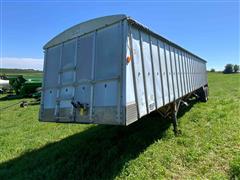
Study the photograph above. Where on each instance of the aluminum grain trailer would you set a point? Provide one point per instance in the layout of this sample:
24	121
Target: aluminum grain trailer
114	70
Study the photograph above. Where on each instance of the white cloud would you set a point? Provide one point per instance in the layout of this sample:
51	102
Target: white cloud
21	63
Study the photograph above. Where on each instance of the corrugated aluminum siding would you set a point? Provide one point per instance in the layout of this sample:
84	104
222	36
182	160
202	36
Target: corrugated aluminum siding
159	73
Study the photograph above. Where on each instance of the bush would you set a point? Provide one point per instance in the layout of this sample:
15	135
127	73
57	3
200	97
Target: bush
228	69
236	68
212	70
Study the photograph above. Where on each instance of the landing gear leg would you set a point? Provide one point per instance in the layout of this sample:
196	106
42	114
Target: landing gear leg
175	108
171	112
175	123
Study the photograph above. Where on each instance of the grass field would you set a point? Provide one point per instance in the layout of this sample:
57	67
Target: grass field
208	148
28	73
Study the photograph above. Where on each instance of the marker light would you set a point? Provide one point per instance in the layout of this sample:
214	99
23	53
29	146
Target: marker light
129	59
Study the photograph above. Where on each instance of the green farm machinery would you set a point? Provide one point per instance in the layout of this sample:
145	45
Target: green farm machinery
21	87
25	87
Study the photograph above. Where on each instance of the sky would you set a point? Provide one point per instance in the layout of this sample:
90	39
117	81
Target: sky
209	29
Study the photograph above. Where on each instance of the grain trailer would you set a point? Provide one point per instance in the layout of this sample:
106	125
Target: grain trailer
114	70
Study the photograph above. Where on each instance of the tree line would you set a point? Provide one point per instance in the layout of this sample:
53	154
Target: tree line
229	68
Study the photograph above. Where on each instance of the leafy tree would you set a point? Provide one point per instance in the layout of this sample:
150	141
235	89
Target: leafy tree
228	69
236	68
212	70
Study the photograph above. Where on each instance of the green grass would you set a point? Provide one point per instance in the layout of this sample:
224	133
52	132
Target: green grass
209	147
28	73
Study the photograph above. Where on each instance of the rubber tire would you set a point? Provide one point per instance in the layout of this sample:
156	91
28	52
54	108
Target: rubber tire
204	94
23	104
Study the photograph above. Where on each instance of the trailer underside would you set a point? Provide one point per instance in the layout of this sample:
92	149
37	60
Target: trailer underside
170	111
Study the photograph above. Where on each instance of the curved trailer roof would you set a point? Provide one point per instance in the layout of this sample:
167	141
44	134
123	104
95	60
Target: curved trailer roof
101	22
